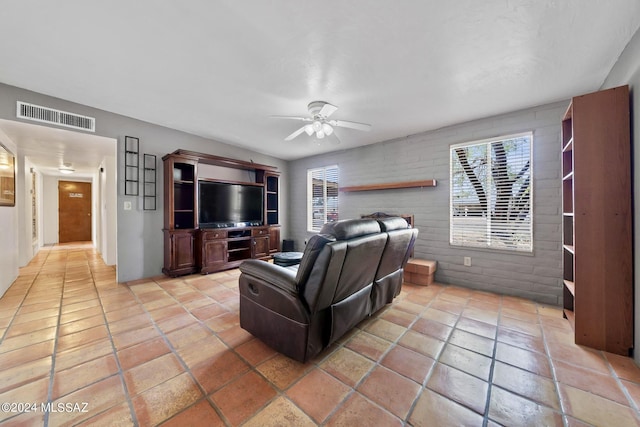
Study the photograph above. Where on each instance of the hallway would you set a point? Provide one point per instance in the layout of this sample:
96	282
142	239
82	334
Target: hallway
171	350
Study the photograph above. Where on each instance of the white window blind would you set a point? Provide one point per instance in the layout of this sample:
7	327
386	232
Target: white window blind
491	194
322	197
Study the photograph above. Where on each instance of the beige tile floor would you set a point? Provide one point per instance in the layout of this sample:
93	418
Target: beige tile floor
170	351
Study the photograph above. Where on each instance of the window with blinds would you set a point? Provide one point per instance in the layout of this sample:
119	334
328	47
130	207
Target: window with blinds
322	197
491	194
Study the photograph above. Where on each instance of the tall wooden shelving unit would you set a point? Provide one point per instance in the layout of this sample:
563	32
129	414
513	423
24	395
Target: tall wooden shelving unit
180	214
597	220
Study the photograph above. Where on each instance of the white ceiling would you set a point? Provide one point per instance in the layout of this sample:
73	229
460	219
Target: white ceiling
219	69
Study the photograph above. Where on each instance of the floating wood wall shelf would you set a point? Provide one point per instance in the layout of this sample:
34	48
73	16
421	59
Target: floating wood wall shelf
391	185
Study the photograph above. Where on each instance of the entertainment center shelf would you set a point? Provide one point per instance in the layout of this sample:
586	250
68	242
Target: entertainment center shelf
212	222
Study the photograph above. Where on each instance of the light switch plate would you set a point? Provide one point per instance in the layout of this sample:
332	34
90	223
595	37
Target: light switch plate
127	206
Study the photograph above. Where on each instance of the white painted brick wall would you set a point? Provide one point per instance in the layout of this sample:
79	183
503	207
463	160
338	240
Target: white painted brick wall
426	156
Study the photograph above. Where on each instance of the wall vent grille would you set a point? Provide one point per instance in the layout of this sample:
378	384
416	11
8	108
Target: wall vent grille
57	117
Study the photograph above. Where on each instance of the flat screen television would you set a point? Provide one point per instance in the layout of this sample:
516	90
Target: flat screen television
223	204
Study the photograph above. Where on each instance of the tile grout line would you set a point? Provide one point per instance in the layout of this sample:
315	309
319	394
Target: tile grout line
26	293
55	343
623	388
115	356
487	406
563	410
20	305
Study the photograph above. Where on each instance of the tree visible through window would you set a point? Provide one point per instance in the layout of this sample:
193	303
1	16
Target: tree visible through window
491	194
322	197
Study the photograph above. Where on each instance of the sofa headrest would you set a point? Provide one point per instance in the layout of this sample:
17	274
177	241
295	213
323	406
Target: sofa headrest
311	251
393	223
349	228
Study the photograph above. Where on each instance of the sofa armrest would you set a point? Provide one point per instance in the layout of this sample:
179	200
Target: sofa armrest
281	277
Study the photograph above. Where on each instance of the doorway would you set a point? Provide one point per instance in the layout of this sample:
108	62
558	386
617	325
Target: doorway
74	211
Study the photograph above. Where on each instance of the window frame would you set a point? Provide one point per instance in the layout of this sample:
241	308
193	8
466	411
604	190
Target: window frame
310	206
490	237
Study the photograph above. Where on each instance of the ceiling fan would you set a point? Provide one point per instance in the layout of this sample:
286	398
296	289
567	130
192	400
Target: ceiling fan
319	124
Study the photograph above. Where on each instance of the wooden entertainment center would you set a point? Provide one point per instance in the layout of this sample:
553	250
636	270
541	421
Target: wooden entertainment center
190	248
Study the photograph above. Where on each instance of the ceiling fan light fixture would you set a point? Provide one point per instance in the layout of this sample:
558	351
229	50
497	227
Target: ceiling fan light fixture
318	122
66	168
309	130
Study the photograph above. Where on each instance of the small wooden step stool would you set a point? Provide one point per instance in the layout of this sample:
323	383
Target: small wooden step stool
420	271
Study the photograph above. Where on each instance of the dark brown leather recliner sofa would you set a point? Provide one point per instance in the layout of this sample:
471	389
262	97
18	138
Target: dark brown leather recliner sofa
348	271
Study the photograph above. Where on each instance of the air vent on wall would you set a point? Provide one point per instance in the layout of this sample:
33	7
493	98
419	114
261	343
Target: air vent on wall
56	117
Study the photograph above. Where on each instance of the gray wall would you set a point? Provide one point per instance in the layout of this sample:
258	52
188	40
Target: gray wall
426	156
8	233
627	71
140	240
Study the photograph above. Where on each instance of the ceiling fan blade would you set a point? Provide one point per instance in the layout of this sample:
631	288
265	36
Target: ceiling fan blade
304	119
334	139
296	133
352	125
327	110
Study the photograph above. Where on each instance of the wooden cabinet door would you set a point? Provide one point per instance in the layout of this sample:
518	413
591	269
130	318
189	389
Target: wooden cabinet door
260	247
274	239
182	250
214	253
